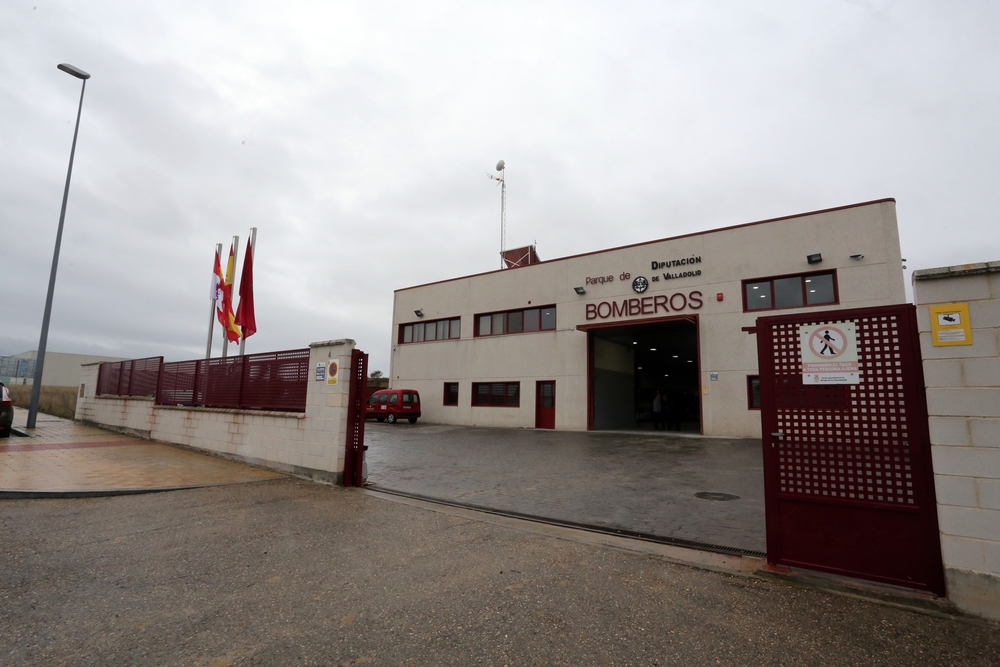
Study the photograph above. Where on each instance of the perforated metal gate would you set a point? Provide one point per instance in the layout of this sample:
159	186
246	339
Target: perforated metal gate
847	468
354	454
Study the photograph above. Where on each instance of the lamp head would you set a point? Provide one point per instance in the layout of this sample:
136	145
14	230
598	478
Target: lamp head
500	165
75	71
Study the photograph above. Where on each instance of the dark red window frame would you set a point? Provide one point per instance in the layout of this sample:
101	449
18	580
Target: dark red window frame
508	401
750	397
400	338
805	296
506	319
448	400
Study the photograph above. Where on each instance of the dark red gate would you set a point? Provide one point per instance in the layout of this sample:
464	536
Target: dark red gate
848	483
354	455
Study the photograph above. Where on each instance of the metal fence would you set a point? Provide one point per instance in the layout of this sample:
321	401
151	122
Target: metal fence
269	381
135	377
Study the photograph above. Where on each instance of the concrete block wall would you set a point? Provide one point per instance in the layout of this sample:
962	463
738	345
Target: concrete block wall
310	444
963	404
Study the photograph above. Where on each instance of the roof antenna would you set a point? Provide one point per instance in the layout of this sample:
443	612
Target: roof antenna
503	209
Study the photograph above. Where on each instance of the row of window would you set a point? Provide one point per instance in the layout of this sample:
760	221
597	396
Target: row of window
419	332
490	324
516	321
487	394
508	394
807	289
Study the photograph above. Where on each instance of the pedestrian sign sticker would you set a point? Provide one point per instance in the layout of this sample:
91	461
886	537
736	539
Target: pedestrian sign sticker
950	324
829	354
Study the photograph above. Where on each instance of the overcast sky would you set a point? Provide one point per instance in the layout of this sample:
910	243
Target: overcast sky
356	137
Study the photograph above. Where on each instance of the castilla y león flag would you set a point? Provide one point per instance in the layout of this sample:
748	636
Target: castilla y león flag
244	313
223	287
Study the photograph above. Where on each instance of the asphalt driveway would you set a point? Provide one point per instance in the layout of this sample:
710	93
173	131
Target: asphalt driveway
640	482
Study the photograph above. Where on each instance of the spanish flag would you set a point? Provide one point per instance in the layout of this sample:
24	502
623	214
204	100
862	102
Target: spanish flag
224	298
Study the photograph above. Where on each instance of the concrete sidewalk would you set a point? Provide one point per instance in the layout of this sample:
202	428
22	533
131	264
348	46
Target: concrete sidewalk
65	458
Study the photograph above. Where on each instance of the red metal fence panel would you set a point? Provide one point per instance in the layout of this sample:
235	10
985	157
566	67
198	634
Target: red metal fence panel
276	380
177	380
270	381
135	377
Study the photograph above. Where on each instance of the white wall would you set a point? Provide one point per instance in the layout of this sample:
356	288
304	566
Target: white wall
62	369
310	444
728	256
963	402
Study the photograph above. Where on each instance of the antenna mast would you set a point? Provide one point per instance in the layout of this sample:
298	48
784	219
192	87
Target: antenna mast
503	209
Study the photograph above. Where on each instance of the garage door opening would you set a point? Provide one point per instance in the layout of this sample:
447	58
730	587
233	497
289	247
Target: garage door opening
630	362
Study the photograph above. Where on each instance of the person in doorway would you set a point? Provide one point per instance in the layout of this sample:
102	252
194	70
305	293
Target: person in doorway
658	412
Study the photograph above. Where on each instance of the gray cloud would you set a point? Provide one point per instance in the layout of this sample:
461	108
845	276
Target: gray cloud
355	136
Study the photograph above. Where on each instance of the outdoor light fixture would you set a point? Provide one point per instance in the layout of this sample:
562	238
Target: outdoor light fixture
418	312
579	290
814	259
675	356
652	349
43	340
858	256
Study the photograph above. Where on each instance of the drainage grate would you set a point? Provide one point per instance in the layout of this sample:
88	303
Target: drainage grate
621	532
715	495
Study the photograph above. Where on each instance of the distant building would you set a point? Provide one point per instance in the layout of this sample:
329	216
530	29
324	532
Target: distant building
61	369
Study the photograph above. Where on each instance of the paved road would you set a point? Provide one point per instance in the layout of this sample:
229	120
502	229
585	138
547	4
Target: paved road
643	482
288	572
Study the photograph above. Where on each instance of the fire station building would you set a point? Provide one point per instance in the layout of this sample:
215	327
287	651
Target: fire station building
586	342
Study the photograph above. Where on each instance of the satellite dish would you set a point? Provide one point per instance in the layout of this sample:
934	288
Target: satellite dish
500	165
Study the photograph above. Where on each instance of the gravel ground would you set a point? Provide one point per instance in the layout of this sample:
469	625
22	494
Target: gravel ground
289	572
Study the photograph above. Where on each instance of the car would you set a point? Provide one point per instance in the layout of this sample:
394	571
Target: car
391	405
6	411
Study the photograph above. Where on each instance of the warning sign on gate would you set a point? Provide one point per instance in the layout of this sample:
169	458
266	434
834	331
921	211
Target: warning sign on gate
829	354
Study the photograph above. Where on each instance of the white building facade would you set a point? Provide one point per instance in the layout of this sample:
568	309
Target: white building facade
586	342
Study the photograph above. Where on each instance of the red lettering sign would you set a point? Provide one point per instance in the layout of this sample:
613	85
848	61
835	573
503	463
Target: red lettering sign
647	305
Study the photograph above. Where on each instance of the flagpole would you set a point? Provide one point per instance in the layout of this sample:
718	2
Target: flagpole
211	311
230	276
253	256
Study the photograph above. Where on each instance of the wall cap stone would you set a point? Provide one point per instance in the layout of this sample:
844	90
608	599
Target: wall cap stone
234	411
957	270
119	397
331	343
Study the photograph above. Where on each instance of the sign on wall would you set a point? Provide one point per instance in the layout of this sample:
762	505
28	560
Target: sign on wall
950	324
829	354
332	369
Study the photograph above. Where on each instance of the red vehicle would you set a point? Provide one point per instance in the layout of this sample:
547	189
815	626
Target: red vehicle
391	405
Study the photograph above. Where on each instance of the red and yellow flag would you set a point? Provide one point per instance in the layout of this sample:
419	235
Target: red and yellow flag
224	298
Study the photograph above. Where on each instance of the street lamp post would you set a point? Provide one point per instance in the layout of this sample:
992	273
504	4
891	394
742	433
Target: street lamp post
36	386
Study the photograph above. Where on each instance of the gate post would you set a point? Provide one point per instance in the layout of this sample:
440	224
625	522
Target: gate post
354	455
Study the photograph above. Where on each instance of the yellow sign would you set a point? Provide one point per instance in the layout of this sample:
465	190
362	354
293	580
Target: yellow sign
950	324
331	372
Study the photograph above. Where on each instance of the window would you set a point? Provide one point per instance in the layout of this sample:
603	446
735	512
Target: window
373	399
418	332
516	321
496	394
451	393
383	399
393	399
753	392
808	289
410	397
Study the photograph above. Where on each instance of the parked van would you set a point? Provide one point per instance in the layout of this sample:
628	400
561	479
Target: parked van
390	405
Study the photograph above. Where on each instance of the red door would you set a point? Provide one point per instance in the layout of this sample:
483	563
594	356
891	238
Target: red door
848	482
545	404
